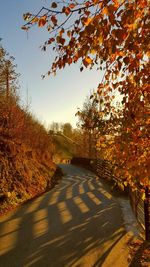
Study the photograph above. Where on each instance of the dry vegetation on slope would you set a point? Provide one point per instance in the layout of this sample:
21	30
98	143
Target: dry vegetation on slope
26	167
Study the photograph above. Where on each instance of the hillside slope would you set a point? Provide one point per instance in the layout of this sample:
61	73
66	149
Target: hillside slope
64	148
26	148
24	174
26	166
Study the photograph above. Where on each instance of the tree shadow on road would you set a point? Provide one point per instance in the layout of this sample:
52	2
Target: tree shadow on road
76	224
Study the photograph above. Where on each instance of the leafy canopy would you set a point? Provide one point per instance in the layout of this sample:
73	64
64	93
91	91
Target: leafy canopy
113	35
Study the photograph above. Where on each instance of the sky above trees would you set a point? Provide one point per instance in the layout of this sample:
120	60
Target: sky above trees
54	98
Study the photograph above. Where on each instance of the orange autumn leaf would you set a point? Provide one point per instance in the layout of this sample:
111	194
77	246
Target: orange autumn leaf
42	21
66	10
87	61
72	5
87	21
105	11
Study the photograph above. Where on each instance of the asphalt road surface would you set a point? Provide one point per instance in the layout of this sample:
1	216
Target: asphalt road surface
77	224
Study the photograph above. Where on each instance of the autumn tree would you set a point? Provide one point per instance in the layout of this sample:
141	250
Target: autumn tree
2	64
88	122
16	122
8	74
55	127
67	129
8	93
59	127
112	35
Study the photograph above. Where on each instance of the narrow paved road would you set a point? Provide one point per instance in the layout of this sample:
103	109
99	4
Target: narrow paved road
77	224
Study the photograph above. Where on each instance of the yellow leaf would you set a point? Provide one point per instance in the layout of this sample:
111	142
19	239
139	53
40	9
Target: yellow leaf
93	51
100	39
125	183
69	33
121	186
26	16
143	196
148	53
34	20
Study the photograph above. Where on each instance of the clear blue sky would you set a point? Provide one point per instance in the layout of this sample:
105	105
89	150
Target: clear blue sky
52	99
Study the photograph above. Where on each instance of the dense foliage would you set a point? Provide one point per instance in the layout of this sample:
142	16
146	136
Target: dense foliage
114	36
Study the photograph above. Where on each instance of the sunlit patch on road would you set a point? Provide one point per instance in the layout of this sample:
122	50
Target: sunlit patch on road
8	238
64	212
40	223
54	198
105	193
81	205
81	189
33	206
91	186
94	198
